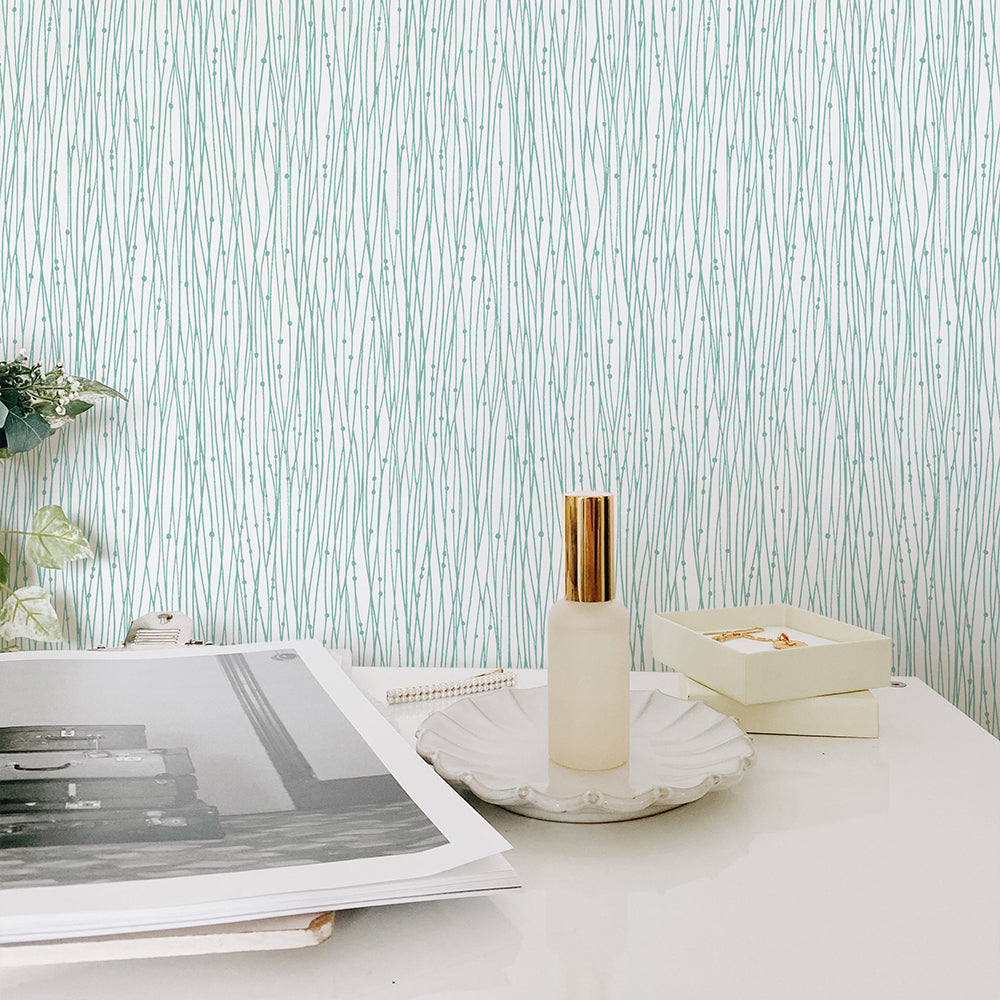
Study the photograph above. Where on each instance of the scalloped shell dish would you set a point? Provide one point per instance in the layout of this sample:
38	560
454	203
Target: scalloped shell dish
496	745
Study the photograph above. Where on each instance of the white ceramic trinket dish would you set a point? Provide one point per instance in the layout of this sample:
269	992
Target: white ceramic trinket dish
496	745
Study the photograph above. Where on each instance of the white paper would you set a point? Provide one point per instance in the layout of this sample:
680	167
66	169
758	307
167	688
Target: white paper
204	716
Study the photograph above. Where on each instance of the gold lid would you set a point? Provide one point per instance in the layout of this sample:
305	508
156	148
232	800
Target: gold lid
590	562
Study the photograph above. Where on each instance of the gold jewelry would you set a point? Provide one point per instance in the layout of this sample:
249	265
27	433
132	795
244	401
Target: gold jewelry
738	633
780	641
783	642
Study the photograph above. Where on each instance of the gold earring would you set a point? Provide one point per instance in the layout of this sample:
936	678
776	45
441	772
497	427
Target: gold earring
783	642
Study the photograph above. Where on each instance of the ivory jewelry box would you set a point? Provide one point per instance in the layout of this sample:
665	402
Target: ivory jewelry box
822	656
854	713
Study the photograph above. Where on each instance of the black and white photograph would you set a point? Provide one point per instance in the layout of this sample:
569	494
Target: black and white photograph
216	763
261	768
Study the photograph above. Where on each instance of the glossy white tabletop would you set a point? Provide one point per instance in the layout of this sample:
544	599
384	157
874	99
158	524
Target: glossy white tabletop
837	868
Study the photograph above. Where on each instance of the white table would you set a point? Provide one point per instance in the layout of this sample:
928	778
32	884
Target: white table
837	868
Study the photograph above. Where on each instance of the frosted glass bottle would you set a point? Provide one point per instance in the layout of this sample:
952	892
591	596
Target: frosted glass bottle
588	664
587	646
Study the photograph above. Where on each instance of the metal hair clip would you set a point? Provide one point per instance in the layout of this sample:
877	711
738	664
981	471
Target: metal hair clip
492	680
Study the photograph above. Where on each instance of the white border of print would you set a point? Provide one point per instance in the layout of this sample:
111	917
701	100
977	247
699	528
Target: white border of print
58	911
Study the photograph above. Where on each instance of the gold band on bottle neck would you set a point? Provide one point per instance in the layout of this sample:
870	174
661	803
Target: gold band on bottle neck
590	564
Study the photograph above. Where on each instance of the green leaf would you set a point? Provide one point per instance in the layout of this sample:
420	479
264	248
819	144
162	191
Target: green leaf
88	385
11	398
4	568
28	614
55	540
74	407
25	433
71	408
4	410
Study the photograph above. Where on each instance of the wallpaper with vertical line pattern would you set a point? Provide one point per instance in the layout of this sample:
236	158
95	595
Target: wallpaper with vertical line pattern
382	280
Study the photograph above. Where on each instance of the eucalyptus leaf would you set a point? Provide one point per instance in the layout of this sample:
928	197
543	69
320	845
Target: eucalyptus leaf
92	388
4	569
28	614
25	433
54	539
71	408
74	407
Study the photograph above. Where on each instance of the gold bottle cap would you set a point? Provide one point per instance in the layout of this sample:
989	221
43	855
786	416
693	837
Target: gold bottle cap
590	563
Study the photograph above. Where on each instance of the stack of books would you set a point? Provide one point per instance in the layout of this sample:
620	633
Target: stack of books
777	669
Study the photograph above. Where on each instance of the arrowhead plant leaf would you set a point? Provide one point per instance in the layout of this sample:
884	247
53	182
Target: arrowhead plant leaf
54	540
28	614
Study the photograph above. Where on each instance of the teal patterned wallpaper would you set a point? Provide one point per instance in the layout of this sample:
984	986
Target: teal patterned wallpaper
382	280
